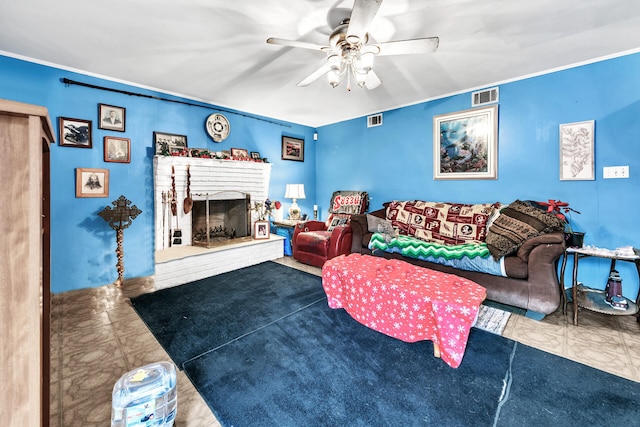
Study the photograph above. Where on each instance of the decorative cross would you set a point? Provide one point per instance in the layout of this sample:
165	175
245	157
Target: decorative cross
119	218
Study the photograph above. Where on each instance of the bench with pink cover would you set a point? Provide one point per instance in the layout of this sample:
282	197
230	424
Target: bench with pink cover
405	301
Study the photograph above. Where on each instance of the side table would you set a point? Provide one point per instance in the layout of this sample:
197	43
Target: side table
594	299
285	228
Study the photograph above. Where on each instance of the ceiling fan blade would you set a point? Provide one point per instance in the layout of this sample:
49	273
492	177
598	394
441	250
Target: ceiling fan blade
372	81
363	13
315	75
296	43
406	47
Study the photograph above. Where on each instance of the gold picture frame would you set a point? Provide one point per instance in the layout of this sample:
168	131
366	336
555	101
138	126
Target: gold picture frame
92	182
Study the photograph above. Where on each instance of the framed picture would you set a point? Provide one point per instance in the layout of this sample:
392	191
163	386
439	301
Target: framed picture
261	230
255	155
92	182
75	133
292	149
465	144
111	117
239	152
577	151
117	150
168	143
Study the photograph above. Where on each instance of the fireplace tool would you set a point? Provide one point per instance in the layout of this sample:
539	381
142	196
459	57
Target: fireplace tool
188	201
164	218
177	233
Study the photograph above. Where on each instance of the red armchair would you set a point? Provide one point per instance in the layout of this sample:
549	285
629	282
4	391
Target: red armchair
315	242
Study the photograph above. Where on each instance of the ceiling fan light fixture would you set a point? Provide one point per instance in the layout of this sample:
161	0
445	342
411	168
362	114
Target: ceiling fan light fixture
349	54
334	77
366	61
334	62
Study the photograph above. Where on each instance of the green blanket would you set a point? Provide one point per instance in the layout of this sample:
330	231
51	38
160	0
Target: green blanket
420	249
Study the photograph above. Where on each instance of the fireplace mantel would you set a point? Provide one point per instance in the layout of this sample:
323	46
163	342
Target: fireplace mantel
210	179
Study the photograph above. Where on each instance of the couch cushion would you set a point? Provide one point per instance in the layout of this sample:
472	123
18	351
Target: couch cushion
445	223
316	242
517	223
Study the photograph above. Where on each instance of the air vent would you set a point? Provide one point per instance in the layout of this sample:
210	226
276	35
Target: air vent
482	97
375	120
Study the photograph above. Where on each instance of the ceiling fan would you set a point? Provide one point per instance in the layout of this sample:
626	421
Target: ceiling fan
349	54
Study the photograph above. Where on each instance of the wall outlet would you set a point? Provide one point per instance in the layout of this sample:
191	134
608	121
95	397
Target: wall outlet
615	172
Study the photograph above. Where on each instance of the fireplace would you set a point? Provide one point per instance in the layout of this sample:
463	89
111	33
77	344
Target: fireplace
222	186
220	221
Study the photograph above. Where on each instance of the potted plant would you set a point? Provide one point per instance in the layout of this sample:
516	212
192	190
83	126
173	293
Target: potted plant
572	239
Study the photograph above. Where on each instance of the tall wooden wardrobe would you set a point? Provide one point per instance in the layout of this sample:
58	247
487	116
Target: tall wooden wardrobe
25	137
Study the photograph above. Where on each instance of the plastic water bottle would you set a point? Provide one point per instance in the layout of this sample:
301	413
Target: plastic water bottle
145	397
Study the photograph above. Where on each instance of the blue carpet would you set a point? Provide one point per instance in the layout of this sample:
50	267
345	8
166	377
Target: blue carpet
191	319
316	366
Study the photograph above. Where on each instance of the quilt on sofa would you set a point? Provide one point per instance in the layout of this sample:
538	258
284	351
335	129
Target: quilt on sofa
467	256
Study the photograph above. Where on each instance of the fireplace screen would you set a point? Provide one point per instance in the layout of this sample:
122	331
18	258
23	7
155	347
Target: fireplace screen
217	222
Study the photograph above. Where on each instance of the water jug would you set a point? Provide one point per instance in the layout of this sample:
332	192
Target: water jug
145	397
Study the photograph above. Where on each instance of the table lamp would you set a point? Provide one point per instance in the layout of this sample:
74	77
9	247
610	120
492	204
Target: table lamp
294	191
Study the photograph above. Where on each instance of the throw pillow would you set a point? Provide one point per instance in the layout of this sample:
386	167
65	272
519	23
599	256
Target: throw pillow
338	221
517	223
382	226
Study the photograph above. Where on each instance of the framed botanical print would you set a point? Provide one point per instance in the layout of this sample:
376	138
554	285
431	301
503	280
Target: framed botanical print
577	161
465	144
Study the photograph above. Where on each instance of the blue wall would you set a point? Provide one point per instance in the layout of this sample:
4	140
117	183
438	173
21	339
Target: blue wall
83	245
393	161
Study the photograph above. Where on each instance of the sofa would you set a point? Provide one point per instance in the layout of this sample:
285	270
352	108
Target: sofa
529	261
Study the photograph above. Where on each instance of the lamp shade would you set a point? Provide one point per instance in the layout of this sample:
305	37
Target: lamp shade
294	191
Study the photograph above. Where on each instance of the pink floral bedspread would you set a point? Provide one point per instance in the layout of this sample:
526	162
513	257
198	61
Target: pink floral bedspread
405	301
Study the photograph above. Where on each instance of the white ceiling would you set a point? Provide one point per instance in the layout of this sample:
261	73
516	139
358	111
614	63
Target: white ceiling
216	50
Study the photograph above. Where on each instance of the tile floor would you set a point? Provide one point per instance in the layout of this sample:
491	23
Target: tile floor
96	337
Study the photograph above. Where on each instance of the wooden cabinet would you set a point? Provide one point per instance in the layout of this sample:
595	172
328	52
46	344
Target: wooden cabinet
25	136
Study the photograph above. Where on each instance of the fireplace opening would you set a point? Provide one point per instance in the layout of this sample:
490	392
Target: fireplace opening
221	221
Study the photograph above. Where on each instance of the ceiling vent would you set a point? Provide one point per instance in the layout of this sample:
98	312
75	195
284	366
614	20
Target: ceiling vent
482	97
375	120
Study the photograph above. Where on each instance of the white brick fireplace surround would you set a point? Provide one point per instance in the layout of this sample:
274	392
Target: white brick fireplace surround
222	179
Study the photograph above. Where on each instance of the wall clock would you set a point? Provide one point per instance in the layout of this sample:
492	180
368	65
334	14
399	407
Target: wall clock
217	127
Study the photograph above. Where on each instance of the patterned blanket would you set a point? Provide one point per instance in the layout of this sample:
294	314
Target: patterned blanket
467	256
405	301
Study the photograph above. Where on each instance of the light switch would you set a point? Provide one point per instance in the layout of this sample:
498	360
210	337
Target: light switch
615	172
